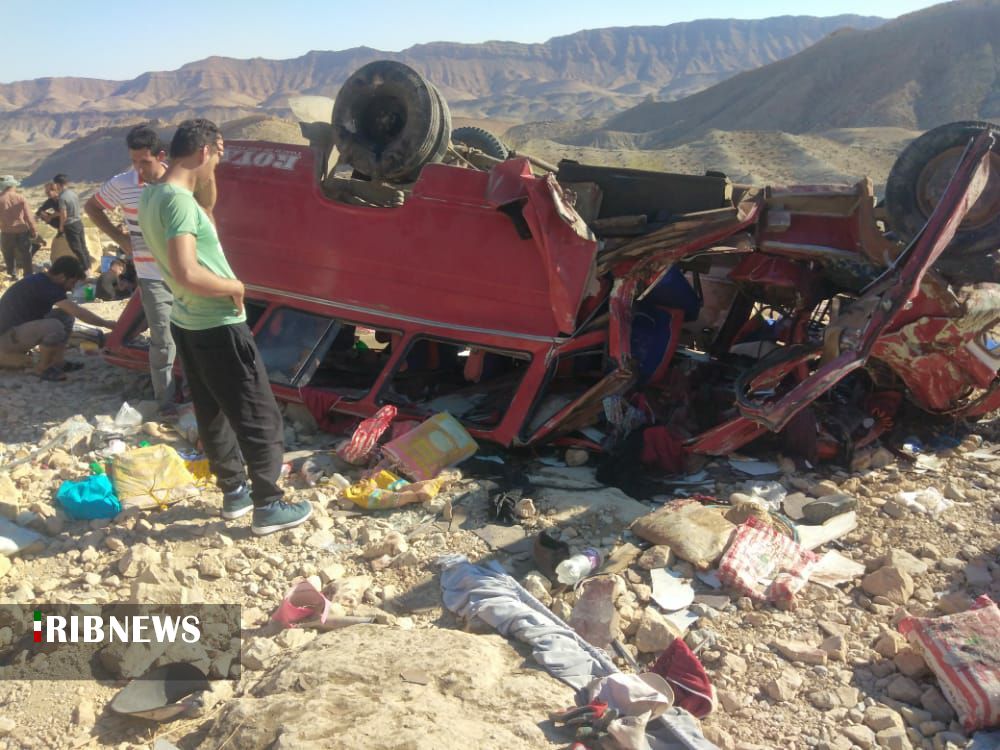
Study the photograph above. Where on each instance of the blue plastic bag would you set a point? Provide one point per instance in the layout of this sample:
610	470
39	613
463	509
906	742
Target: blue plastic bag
89	498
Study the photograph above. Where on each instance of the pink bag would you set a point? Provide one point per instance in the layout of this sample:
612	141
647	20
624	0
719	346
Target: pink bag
963	651
366	437
765	564
302	602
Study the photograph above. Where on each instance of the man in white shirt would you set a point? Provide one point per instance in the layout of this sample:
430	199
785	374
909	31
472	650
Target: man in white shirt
123	191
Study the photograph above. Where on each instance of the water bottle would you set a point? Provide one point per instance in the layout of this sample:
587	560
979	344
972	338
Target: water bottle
578	567
340	481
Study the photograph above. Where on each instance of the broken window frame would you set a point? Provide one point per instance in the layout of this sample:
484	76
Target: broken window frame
417	407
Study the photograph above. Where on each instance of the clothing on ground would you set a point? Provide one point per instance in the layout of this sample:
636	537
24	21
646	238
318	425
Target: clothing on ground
125	191
29	299
487	592
238	418
167	211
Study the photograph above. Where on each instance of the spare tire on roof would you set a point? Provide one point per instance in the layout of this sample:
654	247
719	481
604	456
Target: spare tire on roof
922	172
480	139
388	121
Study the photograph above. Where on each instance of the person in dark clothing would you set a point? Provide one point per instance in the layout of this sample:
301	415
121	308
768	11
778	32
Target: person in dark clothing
35	312
49	210
71	222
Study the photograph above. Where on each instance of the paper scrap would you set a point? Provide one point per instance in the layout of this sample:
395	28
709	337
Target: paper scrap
834	568
670	590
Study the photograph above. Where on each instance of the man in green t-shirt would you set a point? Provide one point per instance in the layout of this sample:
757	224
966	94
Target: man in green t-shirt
238	418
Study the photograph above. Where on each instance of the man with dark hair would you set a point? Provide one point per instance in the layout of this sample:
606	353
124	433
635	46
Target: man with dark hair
123	191
35	312
70	221
111	284
233	402
17	228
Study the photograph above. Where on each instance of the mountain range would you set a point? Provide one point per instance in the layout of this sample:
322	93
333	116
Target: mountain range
590	73
918	71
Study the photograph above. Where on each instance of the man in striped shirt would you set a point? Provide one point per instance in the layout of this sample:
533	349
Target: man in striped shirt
123	191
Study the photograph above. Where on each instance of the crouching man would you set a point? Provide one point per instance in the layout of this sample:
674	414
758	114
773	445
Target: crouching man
35	312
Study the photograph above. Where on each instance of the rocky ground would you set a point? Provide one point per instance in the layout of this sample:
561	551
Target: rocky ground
830	673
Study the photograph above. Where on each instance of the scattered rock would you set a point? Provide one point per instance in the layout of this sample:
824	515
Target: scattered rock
799	651
977	575
538	586
331	571
823	700
933	701
954	602
911	663
84	714
719	737
655	632
893	739
734	663
139	557
890	644
902	560
835	647
892	583
878	718
211	566
731	702
658	556
904	689
259	653
391	544
860	735
784	687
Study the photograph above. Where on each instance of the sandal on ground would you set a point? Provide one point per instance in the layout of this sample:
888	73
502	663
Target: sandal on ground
72	366
53	374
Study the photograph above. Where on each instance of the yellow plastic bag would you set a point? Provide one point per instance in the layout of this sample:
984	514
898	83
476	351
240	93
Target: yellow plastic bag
153	476
434	445
200	471
385	490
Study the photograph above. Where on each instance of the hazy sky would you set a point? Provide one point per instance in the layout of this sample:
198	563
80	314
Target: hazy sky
119	40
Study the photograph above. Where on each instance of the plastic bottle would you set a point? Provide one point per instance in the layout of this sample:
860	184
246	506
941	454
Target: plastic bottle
340	481
578	567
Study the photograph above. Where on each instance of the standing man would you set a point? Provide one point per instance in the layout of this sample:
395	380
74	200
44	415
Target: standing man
17	228
123	191
70	221
233	402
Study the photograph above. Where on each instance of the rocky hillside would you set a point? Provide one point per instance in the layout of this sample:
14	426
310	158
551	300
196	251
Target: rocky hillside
916	72
594	72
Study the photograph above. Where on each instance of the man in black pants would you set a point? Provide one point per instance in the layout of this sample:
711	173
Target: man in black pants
70	221
237	415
